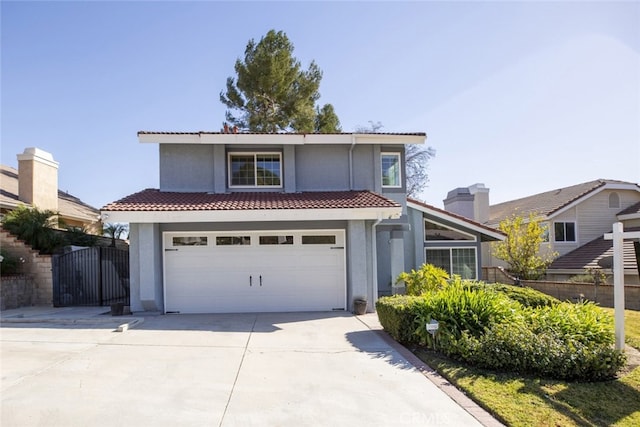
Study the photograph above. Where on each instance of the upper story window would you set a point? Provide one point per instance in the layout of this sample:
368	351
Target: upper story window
565	231
255	170
614	200
390	169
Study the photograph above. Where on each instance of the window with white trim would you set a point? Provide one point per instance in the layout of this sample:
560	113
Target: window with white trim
564	231
390	163
458	261
255	170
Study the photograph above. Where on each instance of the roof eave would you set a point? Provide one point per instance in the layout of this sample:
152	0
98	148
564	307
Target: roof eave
493	234
279	138
251	215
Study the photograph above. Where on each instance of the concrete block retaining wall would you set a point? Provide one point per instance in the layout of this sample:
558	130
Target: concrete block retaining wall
602	294
35	280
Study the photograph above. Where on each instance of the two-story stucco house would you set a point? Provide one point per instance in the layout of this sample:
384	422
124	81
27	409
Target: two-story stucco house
246	222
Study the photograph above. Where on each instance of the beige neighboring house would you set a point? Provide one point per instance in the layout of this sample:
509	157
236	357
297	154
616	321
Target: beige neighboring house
35	183
577	217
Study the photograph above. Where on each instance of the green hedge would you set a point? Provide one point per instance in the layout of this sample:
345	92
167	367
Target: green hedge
528	297
397	316
482	326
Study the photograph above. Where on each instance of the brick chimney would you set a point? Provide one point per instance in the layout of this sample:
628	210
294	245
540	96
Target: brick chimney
38	179
471	202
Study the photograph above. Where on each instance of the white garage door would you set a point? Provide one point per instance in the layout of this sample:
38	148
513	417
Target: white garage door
240	272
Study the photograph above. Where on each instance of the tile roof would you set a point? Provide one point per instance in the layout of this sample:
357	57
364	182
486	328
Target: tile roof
144	132
633	209
68	205
548	202
588	255
156	200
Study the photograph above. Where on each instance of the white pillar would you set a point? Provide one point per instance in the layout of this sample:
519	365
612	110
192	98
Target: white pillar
618	283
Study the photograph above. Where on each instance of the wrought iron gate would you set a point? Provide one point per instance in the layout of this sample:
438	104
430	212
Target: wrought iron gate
93	276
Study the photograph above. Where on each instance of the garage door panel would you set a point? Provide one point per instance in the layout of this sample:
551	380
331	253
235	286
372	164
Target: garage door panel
202	276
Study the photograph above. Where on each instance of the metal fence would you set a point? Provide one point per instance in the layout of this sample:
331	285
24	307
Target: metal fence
95	276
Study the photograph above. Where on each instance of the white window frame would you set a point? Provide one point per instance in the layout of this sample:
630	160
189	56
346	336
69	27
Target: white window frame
399	157
450	249
255	171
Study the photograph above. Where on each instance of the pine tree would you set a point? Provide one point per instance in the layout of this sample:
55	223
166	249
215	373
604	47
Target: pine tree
272	93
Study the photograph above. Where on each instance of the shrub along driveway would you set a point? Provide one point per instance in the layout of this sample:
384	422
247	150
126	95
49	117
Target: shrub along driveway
220	370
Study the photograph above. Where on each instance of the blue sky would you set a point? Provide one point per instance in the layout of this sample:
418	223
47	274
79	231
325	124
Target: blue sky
524	97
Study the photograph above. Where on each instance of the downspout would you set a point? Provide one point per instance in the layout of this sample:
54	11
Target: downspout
353	144
374	237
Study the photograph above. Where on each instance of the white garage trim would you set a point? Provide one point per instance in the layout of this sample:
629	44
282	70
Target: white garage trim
254	271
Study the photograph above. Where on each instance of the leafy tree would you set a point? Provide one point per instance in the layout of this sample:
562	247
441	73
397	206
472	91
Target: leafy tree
115	231
416	159
35	227
522	247
326	120
272	93
79	236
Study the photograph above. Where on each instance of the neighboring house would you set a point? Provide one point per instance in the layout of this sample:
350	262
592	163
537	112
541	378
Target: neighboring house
577	217
35	183
249	222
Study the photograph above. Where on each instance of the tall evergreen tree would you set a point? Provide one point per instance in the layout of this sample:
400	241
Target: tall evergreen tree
326	120
271	92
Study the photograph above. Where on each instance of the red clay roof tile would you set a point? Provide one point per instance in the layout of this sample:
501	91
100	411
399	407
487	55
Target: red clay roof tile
156	200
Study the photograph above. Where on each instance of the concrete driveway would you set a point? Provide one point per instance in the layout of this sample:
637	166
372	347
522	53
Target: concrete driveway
291	369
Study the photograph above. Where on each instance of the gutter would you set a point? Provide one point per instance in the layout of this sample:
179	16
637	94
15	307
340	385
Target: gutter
353	144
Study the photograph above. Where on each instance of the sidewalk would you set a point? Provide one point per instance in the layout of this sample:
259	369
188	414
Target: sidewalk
69	315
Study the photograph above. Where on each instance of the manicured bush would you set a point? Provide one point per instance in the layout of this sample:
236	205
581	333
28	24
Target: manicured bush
397	316
458	309
528	297
583	322
428	278
514	346
508	328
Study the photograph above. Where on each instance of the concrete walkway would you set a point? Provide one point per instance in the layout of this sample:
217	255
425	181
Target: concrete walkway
68	367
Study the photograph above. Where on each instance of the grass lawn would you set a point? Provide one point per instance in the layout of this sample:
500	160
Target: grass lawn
631	326
528	401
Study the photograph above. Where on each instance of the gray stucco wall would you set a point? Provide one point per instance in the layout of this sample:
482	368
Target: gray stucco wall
186	167
196	167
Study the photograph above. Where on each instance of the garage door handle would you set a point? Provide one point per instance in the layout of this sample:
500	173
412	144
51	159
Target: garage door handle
250	281
337	247
260	280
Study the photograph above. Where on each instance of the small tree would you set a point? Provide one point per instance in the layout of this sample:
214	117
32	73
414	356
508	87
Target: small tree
35	227
522	247
114	231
